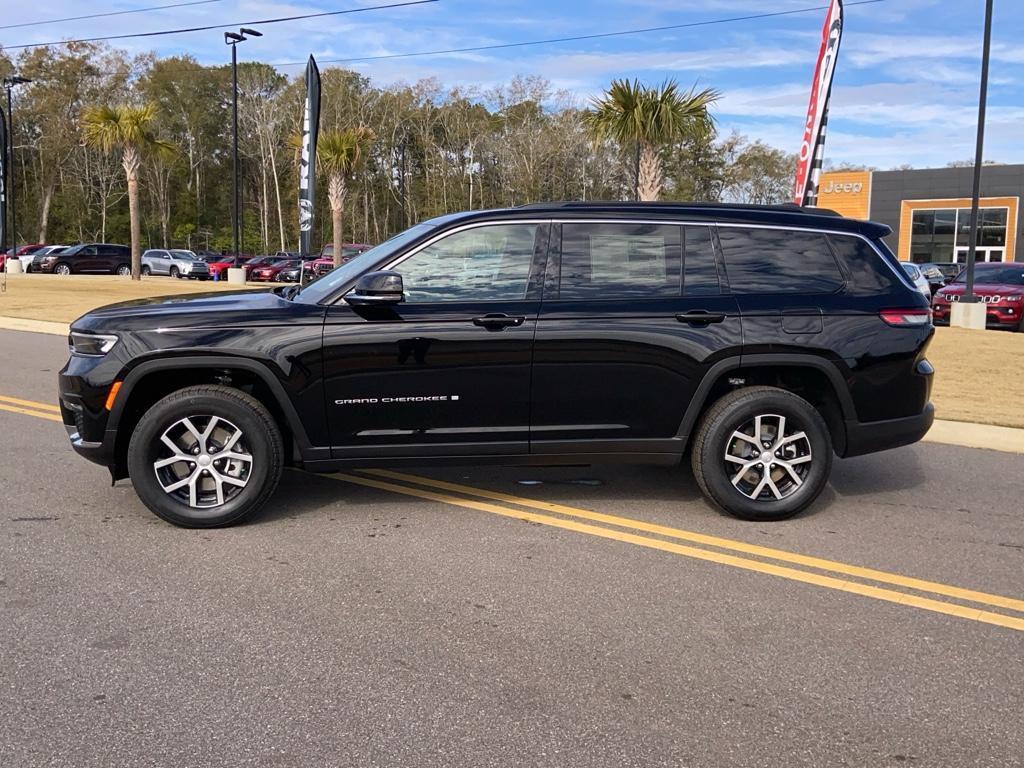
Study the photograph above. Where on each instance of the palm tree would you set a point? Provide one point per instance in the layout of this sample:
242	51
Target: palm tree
648	118
341	153
130	129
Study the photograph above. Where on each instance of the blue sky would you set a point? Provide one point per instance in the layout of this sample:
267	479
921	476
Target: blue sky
906	86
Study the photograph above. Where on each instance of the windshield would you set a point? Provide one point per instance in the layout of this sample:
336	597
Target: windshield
187	255
320	289
996	276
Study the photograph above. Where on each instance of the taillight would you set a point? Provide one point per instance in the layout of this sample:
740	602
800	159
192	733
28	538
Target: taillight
906	318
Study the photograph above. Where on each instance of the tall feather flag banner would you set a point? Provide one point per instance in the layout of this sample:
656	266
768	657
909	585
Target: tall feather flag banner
307	160
3	181
812	147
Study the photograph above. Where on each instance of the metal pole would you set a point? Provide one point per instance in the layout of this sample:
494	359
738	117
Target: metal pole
11	175
236	223
969	296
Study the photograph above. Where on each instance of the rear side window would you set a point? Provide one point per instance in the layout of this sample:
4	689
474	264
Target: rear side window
869	273
700	272
620	261
778	261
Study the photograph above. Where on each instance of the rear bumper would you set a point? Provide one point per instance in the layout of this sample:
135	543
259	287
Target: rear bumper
874	436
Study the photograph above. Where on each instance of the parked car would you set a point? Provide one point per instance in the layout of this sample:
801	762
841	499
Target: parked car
219	265
919	280
269	272
24	254
949	270
89	258
999	286
348	252
551	334
257	261
46	250
935	277
291	274
174	263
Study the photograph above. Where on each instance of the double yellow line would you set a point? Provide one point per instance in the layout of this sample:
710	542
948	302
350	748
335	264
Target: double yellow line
30	408
830	574
751	557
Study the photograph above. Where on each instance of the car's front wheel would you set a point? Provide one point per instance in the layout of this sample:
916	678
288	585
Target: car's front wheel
175	272
205	456
762	453
62	269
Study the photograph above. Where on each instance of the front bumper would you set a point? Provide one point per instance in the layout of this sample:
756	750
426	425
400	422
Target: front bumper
863	437
998	316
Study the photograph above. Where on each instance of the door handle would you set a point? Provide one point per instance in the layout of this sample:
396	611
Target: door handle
700	317
496	322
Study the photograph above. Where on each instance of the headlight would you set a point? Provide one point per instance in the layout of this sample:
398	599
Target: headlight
91	344
1018	297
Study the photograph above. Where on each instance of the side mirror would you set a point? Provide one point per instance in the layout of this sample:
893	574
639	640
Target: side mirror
377	288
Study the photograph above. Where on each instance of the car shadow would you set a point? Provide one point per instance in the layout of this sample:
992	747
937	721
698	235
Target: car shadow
895	470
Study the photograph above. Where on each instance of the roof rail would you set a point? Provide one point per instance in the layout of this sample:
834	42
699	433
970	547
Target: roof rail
669	205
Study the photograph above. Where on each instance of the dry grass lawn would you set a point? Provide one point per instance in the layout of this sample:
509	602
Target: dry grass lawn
63	299
979	375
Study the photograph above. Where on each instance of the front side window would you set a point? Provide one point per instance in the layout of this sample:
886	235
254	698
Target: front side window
489	263
620	261
778	261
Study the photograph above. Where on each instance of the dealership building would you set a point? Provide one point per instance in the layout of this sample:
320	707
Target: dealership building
929	210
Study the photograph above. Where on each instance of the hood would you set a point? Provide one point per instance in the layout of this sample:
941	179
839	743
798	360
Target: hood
230	307
984	289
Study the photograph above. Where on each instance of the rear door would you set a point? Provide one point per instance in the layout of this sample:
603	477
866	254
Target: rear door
633	317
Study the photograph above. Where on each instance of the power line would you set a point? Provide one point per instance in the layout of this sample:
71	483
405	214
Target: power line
550	41
553	40
108	13
220	26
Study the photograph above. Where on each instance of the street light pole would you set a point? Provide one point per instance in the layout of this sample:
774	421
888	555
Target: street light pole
9	84
233	39
969	296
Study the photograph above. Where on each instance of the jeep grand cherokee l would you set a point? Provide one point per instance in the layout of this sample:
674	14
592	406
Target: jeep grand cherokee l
760	340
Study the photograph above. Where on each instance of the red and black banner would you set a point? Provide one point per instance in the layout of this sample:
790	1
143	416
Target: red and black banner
3	182
812	147
307	160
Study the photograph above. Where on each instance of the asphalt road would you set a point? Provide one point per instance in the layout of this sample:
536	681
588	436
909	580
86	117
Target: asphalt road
452	625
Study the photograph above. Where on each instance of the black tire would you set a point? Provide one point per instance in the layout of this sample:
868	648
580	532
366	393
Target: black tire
175	272
715	438
146	271
260	439
63	268
123	270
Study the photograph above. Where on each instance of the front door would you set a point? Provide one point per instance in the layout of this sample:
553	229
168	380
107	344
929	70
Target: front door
446	372
625	335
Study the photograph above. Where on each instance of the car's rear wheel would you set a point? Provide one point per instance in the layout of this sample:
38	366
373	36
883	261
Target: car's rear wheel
762	453
205	456
146	270
62	269
123	270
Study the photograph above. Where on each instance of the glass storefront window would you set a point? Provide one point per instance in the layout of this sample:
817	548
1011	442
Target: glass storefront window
938	234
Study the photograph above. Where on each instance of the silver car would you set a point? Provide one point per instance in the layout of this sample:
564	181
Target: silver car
175	263
917	278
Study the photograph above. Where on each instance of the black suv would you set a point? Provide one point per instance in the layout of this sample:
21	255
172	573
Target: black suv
91	258
760	339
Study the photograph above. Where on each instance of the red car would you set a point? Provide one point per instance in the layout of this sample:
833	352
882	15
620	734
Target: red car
999	286
258	261
25	250
325	263
267	272
219	265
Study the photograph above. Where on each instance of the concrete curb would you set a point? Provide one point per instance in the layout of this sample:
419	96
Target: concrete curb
962	433
33	326
967	435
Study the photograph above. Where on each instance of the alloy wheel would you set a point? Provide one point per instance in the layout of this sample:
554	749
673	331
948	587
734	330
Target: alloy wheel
203	461
767	458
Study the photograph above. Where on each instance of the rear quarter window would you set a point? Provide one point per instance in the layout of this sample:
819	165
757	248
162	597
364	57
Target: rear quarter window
868	271
778	261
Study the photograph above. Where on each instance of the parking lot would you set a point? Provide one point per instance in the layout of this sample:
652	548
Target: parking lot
577	616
